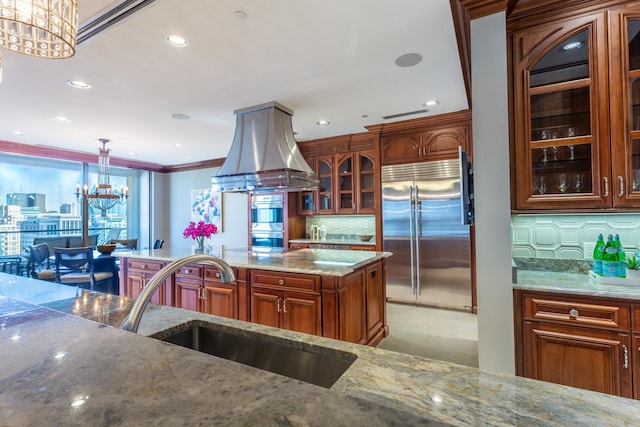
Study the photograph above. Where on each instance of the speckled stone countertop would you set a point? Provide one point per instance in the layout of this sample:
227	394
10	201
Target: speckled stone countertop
65	370
333	262
573	283
335	241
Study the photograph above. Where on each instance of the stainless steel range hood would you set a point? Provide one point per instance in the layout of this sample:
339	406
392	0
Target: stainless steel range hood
264	155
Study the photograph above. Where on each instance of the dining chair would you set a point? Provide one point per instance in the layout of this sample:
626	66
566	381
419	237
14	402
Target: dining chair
39	264
75	266
11	265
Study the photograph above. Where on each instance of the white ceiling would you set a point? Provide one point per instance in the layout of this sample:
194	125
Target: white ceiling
331	60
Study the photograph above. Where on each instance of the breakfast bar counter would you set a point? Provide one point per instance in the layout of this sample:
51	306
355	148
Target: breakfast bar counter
62	369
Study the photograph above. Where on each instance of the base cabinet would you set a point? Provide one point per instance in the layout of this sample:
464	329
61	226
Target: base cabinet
199	288
576	341
349	308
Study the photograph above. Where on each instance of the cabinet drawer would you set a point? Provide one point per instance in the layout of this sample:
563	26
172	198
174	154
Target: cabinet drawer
565	310
286	280
191	271
212	274
137	264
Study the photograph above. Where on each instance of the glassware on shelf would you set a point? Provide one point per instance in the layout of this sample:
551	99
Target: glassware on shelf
535	184
571	131
562	182
572	155
636	180
543	185
545	134
578	182
554	150
544	155
555	134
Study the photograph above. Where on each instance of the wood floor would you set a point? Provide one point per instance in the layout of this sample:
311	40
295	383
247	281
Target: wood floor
435	333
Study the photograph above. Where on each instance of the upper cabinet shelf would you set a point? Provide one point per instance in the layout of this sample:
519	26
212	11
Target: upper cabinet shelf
576	99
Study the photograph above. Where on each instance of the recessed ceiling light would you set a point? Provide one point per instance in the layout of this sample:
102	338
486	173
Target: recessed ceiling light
177	145
176	40
572	46
431	103
132	153
322	122
78	84
408	60
61	119
180	116
18	133
240	15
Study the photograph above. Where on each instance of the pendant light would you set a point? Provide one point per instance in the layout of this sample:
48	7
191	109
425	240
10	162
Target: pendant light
41	28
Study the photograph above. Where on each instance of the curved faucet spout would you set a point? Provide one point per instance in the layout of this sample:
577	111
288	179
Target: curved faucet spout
132	321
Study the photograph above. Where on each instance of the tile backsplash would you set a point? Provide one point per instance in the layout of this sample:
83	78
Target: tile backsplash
561	236
344	225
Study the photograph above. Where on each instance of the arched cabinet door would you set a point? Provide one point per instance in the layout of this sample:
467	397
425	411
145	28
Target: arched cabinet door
561	122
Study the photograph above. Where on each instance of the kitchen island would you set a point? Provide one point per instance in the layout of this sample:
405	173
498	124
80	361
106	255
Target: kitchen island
337	294
64	370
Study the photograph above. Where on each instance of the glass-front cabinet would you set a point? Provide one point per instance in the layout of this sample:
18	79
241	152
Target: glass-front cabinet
319	201
576	117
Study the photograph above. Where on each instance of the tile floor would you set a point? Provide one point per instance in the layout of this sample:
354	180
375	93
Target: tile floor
435	333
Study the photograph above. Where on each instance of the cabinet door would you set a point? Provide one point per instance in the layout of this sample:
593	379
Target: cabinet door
401	148
220	299
325	188
353	308
345	180
188	294
375	300
366	185
579	357
561	120
137	280
302	313
266	306
308	200
625	106
442	144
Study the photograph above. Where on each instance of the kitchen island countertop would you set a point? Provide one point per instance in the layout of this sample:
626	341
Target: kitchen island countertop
79	372
332	262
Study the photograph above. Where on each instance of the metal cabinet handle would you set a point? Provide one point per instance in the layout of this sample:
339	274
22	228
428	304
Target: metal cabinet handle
187	271
573	313
204	294
143	266
278	305
621	182
284	306
218	274
606	186
281	282
625	352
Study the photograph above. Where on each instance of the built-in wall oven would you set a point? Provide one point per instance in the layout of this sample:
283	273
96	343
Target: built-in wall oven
267	220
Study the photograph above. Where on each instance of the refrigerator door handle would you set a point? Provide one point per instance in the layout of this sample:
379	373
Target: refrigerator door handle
411	238
416	237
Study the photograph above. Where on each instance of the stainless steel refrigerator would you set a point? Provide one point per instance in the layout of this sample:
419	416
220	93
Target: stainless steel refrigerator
425	211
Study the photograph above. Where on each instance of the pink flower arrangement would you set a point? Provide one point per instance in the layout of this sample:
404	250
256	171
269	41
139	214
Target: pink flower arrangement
199	231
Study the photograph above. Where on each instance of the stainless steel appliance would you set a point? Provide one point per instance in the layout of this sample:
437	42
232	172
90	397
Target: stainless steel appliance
425	212
267	220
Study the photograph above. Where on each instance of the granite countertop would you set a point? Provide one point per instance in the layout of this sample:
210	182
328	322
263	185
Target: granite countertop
574	283
332	262
336	241
79	372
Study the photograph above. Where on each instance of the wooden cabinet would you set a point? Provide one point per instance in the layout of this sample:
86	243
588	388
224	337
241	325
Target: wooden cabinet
137	274
286	300
423	145
582	342
349	183
575	139
198	288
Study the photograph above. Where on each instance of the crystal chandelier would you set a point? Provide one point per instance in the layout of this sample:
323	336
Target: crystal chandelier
104	197
42	28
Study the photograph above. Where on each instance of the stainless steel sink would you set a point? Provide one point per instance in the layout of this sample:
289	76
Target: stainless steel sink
263	352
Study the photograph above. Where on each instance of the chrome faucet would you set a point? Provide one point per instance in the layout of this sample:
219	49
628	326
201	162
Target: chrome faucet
132	321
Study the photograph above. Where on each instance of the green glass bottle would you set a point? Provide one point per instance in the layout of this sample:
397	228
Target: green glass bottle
598	251
610	261
622	258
